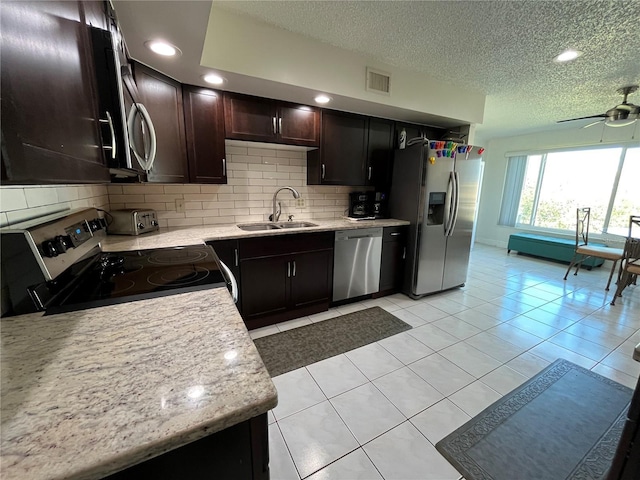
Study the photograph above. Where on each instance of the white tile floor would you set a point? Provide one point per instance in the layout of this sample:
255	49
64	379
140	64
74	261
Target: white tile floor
377	412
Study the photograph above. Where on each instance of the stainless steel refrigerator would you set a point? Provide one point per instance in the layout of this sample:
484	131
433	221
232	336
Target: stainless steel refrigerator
435	187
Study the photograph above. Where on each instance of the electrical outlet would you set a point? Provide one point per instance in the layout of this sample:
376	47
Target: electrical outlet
180	205
300	202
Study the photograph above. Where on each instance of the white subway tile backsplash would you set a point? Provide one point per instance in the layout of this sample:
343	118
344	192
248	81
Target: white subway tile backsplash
237	181
263	182
142	189
17	216
166	198
12	199
171	214
199	197
244	159
182	189
254	174
230	150
247	189
129	198
67	193
148	206
218	220
233	196
291	154
40	196
261	152
216	189
275	161
211	205
184	222
208	212
225	212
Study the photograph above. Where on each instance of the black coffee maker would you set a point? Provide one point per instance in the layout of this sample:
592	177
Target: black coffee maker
380	205
361	204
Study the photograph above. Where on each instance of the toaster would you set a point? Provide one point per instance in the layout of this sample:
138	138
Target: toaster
131	221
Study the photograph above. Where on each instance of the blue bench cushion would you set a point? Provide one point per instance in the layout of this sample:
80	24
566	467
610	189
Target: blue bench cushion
552	248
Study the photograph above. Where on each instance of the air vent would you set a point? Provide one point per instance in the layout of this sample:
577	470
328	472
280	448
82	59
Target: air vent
378	82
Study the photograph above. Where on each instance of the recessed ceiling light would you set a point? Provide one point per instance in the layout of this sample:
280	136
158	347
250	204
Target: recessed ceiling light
213	79
567	56
322	99
162	48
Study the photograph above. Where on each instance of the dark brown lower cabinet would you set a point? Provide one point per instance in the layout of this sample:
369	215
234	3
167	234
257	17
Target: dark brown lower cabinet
240	452
285	277
394	241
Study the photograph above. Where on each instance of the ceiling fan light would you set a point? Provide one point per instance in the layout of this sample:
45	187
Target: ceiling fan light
620	123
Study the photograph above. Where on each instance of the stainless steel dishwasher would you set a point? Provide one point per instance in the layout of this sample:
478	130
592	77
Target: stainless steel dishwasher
356	262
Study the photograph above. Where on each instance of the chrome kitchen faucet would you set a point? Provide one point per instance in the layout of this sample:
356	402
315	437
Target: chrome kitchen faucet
276	213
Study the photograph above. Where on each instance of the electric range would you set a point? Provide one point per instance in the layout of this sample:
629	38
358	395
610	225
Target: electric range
56	265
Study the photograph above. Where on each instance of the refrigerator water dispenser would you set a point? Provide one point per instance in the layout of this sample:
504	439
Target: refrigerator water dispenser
435	213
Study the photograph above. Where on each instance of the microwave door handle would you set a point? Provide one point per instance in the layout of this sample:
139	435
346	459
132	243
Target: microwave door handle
232	280
109	121
145	160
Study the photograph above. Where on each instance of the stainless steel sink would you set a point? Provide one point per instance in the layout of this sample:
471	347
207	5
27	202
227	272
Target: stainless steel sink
256	227
296	225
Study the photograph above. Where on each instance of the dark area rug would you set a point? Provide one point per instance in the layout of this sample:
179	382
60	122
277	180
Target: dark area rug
305	345
564	423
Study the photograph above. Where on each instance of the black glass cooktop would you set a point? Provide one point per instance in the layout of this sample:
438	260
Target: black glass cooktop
119	277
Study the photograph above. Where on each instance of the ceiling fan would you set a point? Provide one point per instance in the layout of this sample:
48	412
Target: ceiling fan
618	116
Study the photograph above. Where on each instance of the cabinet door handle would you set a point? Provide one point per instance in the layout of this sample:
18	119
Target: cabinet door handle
237	256
280	125
109	121
294	268
224	167
404	253
369	173
288	269
323	171
274	126
395	234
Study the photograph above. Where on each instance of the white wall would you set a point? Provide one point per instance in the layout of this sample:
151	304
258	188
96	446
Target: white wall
487	230
273	54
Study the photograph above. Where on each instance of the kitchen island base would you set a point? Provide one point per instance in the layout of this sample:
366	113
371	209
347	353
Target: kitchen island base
239	452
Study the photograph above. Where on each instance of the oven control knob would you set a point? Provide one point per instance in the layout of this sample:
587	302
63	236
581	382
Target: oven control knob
95	225
49	249
141	226
62	243
154	223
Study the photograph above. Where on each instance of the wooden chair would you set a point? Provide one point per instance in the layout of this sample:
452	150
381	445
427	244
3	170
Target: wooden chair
583	250
630	266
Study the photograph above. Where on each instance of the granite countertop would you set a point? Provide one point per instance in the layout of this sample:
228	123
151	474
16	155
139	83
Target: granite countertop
172	237
88	393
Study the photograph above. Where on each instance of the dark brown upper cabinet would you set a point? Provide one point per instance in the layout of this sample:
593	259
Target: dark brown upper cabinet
162	96
379	153
340	160
50	123
264	120
204	124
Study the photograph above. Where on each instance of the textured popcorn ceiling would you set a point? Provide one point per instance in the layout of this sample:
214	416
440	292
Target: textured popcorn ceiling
502	48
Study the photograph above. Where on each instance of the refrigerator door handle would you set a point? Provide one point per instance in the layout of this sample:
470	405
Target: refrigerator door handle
450	202
456	185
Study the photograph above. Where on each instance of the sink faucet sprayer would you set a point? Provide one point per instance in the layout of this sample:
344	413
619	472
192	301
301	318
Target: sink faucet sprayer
276	213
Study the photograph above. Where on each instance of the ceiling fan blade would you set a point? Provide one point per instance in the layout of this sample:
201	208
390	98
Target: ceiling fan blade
602	115
592	124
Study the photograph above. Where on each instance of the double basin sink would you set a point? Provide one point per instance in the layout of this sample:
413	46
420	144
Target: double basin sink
256	227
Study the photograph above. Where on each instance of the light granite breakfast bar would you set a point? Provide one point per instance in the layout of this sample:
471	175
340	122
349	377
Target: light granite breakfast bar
89	393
